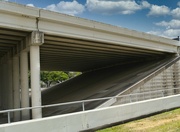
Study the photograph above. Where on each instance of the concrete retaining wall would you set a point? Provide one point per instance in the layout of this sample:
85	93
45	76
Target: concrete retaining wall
163	80
94	118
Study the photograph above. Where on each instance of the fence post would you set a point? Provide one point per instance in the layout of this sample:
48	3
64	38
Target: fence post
83	106
9	118
162	93
143	96
130	98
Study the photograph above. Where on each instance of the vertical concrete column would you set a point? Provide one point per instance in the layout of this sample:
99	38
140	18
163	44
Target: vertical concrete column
16	87
37	38
1	86
24	85
4	85
10	83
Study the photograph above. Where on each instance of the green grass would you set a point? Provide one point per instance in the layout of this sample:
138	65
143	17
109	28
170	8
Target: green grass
165	122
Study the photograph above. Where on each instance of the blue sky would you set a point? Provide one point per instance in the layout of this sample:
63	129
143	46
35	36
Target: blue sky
159	17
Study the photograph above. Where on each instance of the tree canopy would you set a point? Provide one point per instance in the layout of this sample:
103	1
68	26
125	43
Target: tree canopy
56	76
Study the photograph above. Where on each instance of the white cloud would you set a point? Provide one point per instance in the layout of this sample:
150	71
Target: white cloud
169	33
163	10
156	10
172	33
31	5
178	3
171	30
176	13
115	7
71	8
145	4
173	24
157	33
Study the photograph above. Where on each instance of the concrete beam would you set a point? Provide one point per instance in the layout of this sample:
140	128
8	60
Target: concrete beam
16	15
69	26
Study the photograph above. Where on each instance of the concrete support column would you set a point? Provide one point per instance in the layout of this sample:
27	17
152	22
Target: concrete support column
25	102
10	84
4	85
1	78
35	81
16	87
37	38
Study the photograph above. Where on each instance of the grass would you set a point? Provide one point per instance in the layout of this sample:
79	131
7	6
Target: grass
164	122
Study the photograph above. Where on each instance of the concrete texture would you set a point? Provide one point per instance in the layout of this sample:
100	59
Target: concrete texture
105	82
94	118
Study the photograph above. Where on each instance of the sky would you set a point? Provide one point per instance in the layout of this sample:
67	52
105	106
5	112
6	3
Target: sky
158	17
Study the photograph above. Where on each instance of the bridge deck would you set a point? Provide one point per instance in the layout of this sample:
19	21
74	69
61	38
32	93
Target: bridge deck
73	43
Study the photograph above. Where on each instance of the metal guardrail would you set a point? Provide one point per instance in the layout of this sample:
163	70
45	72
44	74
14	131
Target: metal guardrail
129	98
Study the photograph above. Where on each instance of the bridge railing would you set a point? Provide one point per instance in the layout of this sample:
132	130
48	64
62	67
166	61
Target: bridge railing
124	99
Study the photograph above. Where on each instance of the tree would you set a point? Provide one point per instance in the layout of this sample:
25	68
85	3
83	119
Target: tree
53	76
45	77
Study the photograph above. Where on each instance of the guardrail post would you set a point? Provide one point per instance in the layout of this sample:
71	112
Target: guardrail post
9	117
83	107
136	98
130	100
162	93
143	96
115	98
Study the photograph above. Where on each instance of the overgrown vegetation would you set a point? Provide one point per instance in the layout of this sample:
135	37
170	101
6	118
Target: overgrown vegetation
165	122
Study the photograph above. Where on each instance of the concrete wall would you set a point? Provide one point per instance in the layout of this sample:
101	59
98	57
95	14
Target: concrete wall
166	80
94	118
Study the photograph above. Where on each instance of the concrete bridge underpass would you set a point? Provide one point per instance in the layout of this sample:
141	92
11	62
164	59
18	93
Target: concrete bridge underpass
33	39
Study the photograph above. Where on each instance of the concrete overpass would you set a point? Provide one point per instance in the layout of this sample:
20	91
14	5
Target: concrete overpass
36	39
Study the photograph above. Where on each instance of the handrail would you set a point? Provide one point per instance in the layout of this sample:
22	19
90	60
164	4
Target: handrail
84	101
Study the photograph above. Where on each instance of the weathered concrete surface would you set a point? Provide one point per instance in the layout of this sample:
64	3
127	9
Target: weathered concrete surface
94	118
